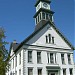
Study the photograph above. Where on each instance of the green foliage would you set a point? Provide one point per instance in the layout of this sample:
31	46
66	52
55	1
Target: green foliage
3	52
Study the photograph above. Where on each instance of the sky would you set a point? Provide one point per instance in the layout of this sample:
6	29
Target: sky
16	17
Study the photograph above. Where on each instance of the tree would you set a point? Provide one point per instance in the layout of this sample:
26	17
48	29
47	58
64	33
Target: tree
3	52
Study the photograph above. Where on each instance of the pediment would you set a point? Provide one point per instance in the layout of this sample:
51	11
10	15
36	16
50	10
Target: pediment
40	38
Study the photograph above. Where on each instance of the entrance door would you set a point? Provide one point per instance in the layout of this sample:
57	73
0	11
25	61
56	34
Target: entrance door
52	74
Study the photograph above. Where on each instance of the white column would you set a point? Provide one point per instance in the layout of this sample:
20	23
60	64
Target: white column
54	58
65	57
44	71
59	59
61	71
72	61
67	71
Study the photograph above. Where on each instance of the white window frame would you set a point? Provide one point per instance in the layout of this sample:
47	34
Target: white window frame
19	58
48	58
29	68
39	57
30	60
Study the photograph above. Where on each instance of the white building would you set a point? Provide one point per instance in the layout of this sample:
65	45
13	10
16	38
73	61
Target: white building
46	51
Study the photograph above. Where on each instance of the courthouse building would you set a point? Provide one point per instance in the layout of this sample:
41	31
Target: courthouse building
46	51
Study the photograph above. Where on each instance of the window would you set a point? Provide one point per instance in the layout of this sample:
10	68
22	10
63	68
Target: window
71	72
55	58
29	56
20	58
50	17
43	15
51	58
48	57
49	38
46	16
39	71
38	57
15	72
19	71
40	16
10	73
30	71
64	71
13	62
62	58
16	60
46	39
53	40
69	59
36	20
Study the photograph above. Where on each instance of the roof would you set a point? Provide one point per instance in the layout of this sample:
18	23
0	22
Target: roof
48	1
14	45
37	31
44	10
40	24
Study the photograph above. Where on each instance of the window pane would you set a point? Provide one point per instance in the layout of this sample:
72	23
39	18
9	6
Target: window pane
15	72
51	58
10	73
40	16
62	58
71	73
30	71
49	38
16	60
20	72
38	57
39	71
55	58
36	20
69	59
46	39
50	17
53	40
48	57
43	15
46	16
64	71
29	56
20	58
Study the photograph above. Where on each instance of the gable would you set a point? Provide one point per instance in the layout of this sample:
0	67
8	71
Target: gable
34	37
13	46
40	38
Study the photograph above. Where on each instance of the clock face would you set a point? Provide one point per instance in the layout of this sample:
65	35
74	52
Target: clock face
45	5
38	6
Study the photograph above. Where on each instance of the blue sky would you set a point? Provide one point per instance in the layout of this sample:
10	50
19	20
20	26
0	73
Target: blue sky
16	16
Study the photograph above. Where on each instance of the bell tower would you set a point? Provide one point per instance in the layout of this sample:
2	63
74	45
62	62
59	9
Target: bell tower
43	12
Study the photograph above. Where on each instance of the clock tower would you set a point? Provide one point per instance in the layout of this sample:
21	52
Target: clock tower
43	12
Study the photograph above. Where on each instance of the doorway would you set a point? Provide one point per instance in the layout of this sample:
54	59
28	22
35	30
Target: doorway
51	73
